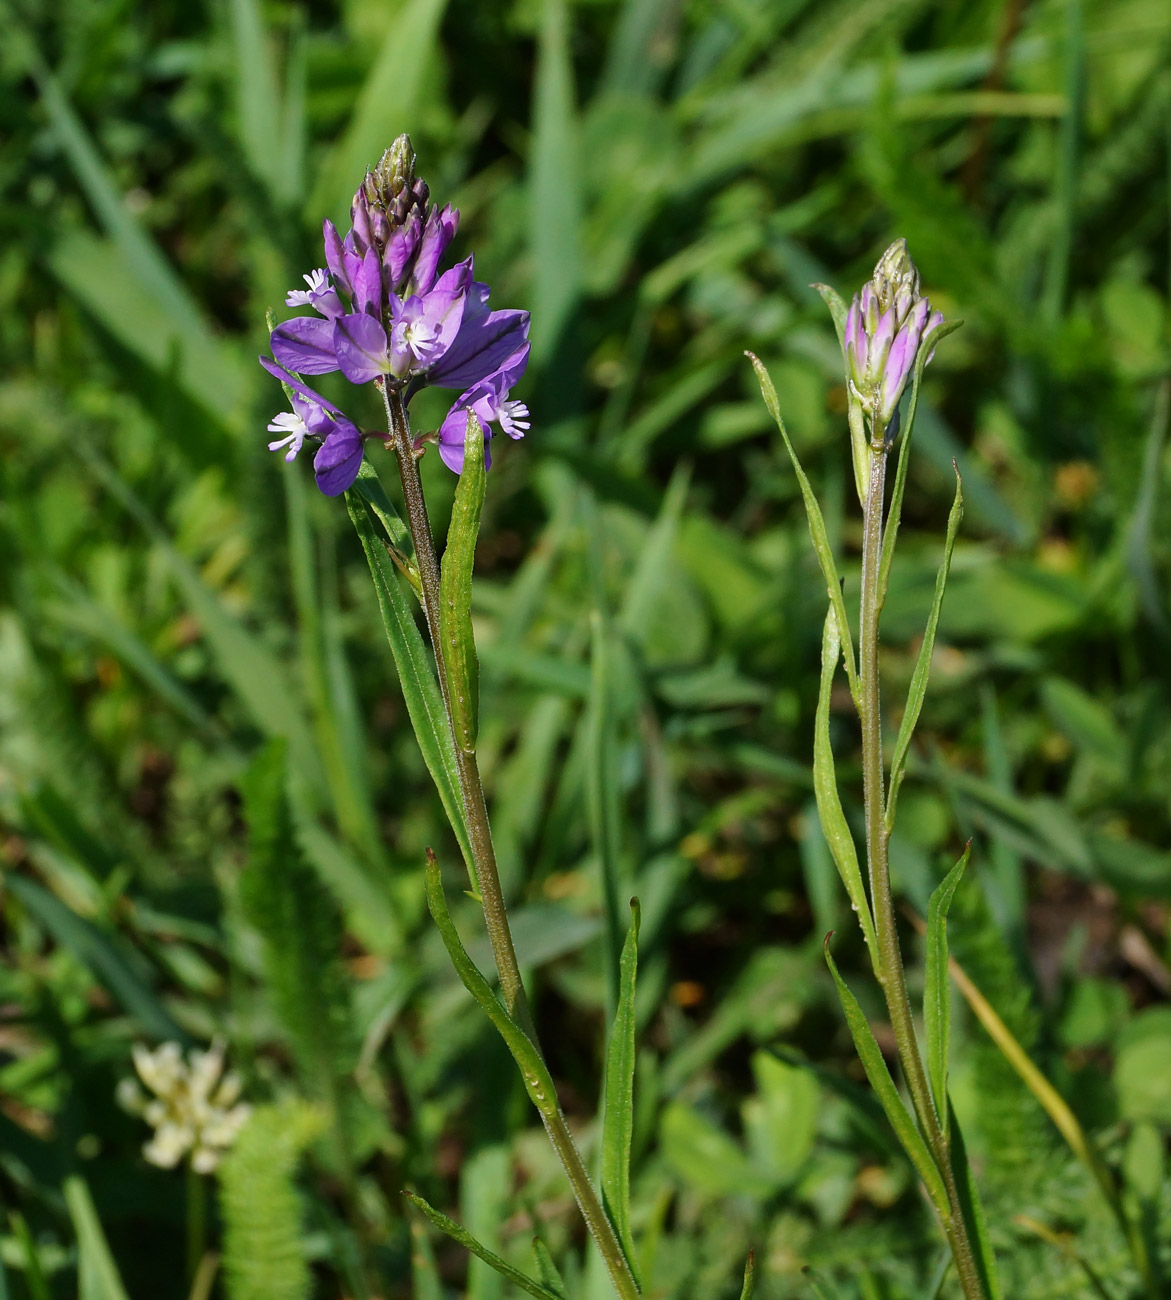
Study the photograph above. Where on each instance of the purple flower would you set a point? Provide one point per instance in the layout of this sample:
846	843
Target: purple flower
340	454
886	325
384	314
490	401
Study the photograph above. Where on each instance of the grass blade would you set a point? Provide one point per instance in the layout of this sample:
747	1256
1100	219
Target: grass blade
97	1273
556	201
835	828
746	1291
415	671
922	670
618	1110
870	1054
548	1273
604	812
465	1239
937	989
457	639
100	953
258	107
825	556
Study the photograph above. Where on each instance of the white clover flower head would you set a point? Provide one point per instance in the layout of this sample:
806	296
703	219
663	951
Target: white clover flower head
194	1110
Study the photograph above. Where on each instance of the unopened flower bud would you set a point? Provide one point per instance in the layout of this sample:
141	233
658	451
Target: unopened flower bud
885	327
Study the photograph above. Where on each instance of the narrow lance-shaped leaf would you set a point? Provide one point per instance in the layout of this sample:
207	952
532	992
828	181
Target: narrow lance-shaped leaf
99	1279
825	555
465	1239
918	687
825	787
415	672
930	341
400	545
870	1054
537	1080
937	989
618	1111
456	637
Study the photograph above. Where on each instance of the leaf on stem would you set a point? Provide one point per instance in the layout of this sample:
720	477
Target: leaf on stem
918	687
618	1109
829	803
456	636
937	989
465	1239
825	556
932	339
415	672
884	1087
537	1080
402	546
837	309
99	1276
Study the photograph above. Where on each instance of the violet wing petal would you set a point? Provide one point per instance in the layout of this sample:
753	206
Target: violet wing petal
279	372
338	460
483	344
360	343
305	344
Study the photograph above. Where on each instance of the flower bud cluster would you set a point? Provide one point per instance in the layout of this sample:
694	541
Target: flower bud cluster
887	324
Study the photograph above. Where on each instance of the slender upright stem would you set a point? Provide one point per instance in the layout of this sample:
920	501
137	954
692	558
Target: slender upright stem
888	959
484	858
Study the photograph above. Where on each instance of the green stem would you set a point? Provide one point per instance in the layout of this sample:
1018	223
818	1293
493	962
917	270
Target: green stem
484	865
888	960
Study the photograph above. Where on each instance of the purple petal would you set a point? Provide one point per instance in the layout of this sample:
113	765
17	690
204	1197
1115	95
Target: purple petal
441	226
485	342
360	345
305	344
898	366
337	462
399	249
368	284
296	385
335	258
453	435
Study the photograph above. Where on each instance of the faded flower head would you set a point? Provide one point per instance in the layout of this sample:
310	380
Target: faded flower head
888	321
386	315
193	1108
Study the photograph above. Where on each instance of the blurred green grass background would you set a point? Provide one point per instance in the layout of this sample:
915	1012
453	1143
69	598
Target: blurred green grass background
660	182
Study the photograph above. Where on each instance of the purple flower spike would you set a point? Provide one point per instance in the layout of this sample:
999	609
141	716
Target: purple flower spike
386	315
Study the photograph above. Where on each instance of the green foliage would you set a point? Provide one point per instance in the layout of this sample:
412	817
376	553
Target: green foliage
264	1236
300	931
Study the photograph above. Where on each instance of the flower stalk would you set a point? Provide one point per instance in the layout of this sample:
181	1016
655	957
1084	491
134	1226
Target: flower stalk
484	867
888	960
